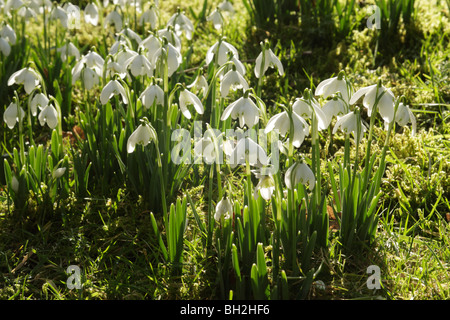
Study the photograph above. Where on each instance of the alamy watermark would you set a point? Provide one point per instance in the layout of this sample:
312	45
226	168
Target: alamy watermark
74	280
375	19
374	280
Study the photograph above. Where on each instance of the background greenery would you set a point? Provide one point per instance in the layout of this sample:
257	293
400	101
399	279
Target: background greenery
115	237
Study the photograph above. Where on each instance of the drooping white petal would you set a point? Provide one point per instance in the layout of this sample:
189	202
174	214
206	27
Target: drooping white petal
139	66
69	50
152	94
248	150
114	18
40	101
221	50
188	98
112	88
9	34
181	23
143	135
404	115
216	18
49	115
223	208
270	60
349	124
91	13
299	172
5	47
11	115
233	80
266	187
244	109
332	86
26	76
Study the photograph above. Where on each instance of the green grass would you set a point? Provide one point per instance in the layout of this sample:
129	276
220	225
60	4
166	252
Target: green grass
111	236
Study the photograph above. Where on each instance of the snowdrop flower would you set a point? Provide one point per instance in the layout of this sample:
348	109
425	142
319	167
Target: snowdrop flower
69	49
224	208
282	123
181	23
205	147
373	93
232	80
91	60
91	13
5	47
235	63
248	150
226	6
152	44
349	123
174	58
124	55
299	172
270	60
265	186
39	6
244	109
8	33
171	37
59	172
130	34
26	76
152	94
73	15
305	109
112	88
26	12
332	86
11	115
89	68
335	107
220	49
216	18
40	101
143	135
58	13
89	77
404	115
139	66
200	84
149	16
12	5
114	18
188	98
49	115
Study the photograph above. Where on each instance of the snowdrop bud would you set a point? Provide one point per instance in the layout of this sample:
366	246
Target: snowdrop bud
58	173
15	184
